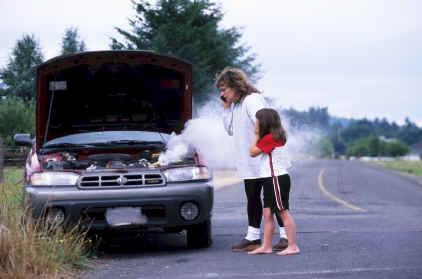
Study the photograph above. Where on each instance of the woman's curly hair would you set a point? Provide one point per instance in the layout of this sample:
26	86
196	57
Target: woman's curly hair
237	80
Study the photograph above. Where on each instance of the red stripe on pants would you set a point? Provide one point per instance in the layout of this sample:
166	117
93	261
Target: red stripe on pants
276	186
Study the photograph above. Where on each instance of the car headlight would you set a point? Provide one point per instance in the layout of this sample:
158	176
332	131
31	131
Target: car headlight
54	178
187	174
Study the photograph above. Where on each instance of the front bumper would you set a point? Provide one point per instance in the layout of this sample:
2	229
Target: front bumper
88	207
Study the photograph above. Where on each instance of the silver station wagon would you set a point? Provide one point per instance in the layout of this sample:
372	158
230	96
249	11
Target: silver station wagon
102	120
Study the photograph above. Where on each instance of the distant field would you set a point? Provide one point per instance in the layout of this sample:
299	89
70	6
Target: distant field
410	167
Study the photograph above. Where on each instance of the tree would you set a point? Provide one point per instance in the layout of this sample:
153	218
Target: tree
336	138
19	74
3	91
319	116
359	148
71	42
359	129
189	30
16	117
374	146
315	117
397	148
410	133
326	148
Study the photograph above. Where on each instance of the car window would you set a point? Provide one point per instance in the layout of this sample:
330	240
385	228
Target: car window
108	136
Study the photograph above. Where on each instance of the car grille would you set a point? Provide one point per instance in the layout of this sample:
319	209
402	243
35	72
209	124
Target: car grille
113	180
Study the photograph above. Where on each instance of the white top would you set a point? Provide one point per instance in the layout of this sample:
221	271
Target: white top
281	162
239	121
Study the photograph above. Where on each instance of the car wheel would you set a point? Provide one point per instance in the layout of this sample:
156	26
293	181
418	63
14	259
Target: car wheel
199	236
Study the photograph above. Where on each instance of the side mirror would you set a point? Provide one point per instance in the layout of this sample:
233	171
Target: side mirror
23	140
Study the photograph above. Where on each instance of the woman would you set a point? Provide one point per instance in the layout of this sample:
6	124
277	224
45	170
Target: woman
241	101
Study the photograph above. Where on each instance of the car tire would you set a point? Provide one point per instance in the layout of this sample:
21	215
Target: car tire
199	236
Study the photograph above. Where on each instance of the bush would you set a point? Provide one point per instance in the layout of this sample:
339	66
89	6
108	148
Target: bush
16	116
373	146
326	148
397	148
359	148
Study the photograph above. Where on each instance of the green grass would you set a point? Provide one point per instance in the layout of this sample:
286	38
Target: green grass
35	250
11	189
408	167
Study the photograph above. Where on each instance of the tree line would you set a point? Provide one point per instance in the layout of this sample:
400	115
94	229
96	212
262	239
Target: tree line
355	137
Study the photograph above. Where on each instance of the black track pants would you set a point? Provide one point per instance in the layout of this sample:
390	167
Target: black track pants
253	189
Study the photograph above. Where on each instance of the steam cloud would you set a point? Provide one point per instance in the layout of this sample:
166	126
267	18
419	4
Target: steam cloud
205	133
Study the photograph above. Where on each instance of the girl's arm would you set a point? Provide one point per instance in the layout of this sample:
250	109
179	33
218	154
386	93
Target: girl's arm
254	150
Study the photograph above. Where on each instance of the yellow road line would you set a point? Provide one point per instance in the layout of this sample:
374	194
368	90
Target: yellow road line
331	196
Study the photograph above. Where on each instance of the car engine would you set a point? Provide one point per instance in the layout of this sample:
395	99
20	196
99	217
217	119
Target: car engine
105	161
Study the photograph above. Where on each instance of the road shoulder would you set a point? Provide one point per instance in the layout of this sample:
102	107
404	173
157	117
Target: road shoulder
410	177
224	178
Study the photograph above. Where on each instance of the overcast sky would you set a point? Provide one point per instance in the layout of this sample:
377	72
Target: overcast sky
359	58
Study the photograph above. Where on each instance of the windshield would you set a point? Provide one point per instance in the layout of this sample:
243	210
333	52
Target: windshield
93	138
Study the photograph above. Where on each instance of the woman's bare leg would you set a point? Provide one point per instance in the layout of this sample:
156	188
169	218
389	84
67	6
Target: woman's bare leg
266	247
290	226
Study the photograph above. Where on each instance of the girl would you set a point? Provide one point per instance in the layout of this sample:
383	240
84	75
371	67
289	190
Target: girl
270	136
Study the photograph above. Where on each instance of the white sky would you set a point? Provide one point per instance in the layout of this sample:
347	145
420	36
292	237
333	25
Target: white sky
359	58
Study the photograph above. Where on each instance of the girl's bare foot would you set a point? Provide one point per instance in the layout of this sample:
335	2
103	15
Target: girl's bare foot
289	251
261	250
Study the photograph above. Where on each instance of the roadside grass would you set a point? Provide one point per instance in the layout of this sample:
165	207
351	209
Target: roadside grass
11	189
35	250
408	167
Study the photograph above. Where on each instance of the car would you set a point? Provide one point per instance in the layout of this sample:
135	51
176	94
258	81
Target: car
103	119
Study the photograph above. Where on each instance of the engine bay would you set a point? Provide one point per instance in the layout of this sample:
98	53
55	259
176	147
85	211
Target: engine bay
101	160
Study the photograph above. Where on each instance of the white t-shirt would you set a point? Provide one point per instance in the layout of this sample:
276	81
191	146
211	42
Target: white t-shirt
280	160
239	121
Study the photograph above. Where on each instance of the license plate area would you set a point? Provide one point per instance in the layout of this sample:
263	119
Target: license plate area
125	216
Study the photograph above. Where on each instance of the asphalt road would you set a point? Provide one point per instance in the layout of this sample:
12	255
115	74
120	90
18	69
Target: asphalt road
353	221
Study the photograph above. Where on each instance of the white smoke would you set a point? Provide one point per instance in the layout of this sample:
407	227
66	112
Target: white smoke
177	149
300	141
206	135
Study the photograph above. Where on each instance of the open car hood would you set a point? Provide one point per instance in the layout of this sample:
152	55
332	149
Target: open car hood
112	90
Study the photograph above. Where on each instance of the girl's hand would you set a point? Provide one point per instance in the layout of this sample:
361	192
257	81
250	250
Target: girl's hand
254	150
